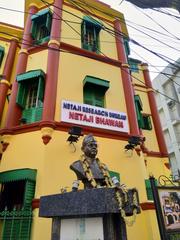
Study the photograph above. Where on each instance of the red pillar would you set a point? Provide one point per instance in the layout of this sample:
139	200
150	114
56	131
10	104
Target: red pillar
14	111
154	111
126	80
53	64
5	82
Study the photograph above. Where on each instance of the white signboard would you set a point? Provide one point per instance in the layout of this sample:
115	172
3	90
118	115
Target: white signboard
92	116
82	229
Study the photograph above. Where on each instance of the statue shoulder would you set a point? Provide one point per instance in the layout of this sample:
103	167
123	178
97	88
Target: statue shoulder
76	165
78	169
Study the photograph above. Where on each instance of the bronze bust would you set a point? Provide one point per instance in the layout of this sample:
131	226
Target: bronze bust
90	170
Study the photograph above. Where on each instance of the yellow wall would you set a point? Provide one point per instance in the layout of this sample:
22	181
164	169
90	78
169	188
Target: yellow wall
73	37
52	162
73	70
37	61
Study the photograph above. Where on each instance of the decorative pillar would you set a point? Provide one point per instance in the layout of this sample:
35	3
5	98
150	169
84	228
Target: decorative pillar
53	64
126	80
154	111
14	111
5	82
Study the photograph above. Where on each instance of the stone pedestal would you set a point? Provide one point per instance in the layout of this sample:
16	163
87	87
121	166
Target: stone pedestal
100	204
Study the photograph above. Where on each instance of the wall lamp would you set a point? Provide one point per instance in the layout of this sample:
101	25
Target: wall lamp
75	133
133	142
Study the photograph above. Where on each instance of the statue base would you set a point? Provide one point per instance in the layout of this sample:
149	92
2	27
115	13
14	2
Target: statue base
82	214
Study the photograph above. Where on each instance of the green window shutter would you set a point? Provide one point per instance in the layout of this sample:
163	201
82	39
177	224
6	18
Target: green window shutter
147	123
138	106
90	29
126	46
27	115
32	114
22	94
94	96
17	175
38	114
88	96
1	54
94	91
149	190
29	193
40	92
83	33
41	26
34	29
25	227
6	231
16	224
48	22
99	98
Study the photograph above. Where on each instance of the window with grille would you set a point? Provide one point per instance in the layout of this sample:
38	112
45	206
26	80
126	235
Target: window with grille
41	26
17	192
94	91
90	29
31	94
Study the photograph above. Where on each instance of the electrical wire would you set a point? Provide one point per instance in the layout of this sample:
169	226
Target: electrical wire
124	70
144	83
81	18
163	57
55	18
158	24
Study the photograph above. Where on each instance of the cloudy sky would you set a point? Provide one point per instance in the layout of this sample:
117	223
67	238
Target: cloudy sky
154	31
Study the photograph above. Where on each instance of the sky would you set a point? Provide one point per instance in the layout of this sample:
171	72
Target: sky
153	30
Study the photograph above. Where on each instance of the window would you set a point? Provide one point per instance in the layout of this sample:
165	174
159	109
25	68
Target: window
17	191
30	95
126	46
1	54
133	64
149	189
144	120
90	30
94	91
41	26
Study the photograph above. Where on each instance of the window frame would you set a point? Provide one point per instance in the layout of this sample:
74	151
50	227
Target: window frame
144	120
31	114
16	223
42	19
147	124
94	90
92	27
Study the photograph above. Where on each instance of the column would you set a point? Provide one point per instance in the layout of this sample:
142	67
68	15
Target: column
14	111
53	64
154	111
5	82
126	80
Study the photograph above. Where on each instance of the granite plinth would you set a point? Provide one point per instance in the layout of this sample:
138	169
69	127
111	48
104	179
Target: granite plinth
85	203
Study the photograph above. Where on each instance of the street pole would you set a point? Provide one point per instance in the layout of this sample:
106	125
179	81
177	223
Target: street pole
157	204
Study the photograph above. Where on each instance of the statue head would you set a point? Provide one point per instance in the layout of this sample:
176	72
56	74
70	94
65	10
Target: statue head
89	146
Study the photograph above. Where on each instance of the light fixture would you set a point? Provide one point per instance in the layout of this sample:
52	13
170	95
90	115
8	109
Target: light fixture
133	141
75	132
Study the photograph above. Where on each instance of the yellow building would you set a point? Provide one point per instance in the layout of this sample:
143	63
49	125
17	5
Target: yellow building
69	67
